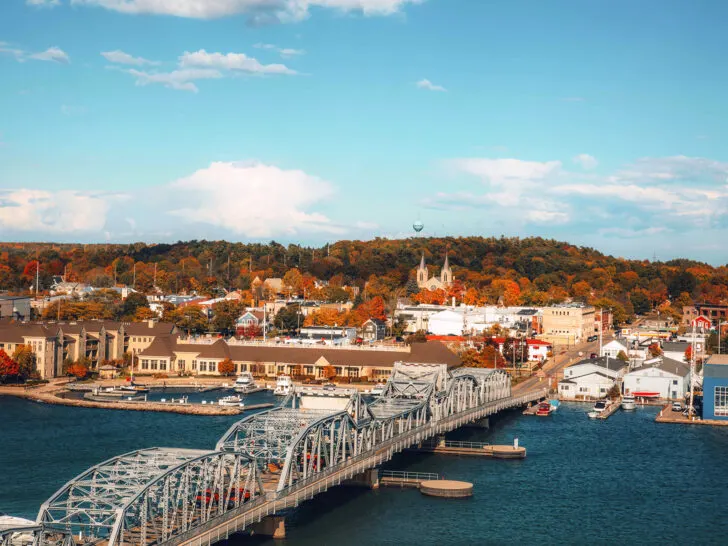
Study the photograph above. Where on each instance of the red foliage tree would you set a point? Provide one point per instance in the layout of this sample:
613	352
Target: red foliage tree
226	367
78	370
8	367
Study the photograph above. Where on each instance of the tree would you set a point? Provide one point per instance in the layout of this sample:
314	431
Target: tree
688	356
190	319
27	361
226	367
329	372
226	313
655	350
144	313
250	332
418	337
640	302
614	392
492	358
292	281
134	301
288	318
621	355
9	369
78	370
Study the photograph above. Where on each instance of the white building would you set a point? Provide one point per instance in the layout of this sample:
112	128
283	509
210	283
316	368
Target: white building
591	378
614	347
466	319
669	378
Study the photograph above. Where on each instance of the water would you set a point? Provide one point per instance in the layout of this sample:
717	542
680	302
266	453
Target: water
623	481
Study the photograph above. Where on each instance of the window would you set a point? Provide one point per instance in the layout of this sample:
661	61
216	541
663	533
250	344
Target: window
194	365
154	364
674	381
721	401
145	364
180	364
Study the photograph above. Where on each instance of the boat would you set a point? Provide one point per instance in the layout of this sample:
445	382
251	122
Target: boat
628	402
245	383
592	414
554	404
231	401
544	409
600	406
110	391
284	385
134	388
378	389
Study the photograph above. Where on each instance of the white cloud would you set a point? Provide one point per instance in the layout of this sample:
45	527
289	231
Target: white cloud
427	84
51	54
238	62
258	10
15	52
121	57
43	3
253	199
586	161
506	170
53	212
182	80
285	52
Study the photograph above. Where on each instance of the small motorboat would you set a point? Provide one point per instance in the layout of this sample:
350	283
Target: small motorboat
628	403
133	388
231	401
600	406
554	404
245	383
544	409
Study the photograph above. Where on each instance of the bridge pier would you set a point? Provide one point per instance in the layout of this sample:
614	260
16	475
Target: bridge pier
368	479
271	526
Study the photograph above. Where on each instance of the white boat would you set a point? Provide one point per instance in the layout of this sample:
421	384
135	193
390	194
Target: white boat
600	406
231	401
592	414
284	385
378	389
133	389
245	383
628	403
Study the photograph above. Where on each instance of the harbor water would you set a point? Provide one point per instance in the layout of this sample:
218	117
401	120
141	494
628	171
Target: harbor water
626	480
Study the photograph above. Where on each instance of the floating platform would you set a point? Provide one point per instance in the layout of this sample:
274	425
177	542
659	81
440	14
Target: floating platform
447	489
609	410
475	450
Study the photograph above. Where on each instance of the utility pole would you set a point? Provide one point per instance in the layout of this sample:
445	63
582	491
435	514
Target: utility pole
691	408
133	282
154	282
37	273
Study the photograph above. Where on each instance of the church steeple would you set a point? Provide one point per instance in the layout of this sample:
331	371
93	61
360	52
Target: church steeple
422	274
446	273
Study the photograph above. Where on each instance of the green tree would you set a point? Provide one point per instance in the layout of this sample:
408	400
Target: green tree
226	313
640	302
134	301
288	318
190	319
621	355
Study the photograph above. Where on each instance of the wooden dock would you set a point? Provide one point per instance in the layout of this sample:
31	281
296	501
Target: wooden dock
398	478
474	449
609	410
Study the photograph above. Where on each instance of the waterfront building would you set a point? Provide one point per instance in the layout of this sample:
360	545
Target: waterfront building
666	376
568	324
614	347
676	350
714	313
715	388
173	354
591	378
373	330
46	342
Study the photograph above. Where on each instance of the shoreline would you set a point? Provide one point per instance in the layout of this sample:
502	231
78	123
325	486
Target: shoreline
47	394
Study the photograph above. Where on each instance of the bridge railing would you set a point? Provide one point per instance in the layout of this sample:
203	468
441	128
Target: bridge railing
409	476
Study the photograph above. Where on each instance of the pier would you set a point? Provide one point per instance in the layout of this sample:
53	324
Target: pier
474	449
611	408
267	463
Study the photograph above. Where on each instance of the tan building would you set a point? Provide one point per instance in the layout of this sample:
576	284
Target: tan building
433	283
568	324
46	343
174	355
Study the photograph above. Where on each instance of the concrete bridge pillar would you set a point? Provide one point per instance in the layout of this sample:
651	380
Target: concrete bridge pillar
368	479
271	526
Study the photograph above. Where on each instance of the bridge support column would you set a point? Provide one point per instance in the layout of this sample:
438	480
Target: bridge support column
480	423
368	478
271	526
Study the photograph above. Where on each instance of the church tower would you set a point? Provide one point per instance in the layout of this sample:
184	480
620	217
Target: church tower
446	273
422	274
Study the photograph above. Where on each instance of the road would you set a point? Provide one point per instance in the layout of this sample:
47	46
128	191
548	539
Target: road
553	367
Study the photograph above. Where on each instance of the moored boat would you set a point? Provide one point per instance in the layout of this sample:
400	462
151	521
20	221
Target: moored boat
544	409
245	383
231	401
284	385
592	414
628	403
600	406
378	389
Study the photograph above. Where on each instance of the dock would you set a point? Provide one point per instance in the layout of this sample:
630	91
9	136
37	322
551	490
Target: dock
399	478
609	410
666	415
474	449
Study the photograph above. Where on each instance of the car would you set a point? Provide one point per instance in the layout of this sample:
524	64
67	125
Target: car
592	338
677	406
593	355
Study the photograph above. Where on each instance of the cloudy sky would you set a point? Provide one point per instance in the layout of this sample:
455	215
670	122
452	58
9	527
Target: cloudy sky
599	123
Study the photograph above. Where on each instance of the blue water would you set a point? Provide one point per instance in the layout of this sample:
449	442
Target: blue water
627	480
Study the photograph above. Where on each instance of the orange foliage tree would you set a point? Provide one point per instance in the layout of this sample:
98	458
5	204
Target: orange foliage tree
226	367
8	367
77	370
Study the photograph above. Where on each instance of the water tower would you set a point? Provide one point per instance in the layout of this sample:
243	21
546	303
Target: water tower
418	226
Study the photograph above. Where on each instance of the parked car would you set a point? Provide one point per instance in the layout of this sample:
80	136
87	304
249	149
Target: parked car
677	406
594	355
592	338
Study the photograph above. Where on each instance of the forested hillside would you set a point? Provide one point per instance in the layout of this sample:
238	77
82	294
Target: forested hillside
520	271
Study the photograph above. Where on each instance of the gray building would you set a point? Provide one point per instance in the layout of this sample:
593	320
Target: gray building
15	307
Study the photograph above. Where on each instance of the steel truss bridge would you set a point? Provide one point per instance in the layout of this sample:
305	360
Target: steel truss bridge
263	465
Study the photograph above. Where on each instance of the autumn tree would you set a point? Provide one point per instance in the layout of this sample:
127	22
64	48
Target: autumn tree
133	302
144	313
329	372
288	318
78	370
26	360
225	315
226	367
9	369
191	319
292	281
655	350
621	355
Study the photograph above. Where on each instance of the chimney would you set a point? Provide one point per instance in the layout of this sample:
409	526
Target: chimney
150	323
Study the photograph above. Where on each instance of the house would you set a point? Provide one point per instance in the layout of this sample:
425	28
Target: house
538	349
714	313
614	347
590	378
107	372
665	376
676	350
702	324
373	330
332	334
173	354
45	342
447	323
249	322
715	388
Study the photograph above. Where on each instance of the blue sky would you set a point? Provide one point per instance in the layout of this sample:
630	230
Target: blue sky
599	123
